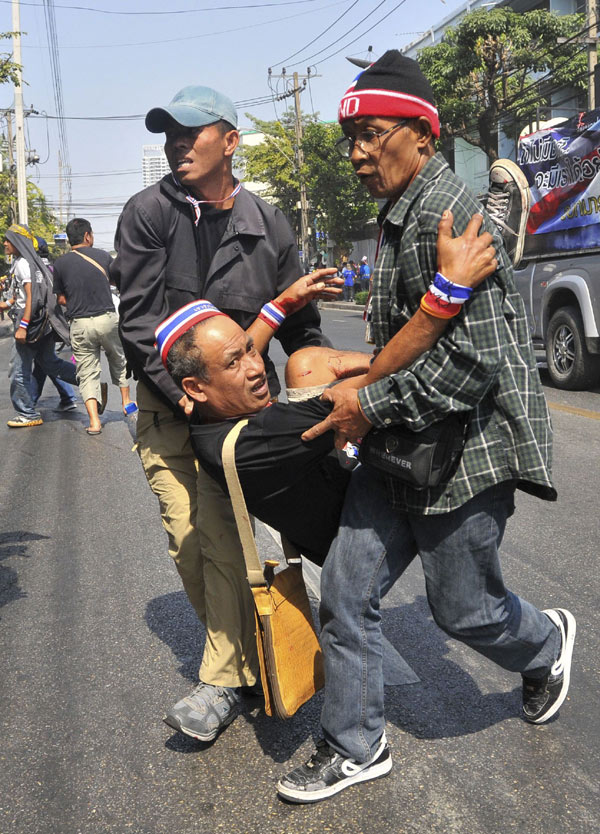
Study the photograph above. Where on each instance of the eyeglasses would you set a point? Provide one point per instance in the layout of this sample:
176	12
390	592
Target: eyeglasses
368	141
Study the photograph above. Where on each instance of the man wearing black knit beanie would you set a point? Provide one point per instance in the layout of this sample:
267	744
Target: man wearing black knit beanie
481	369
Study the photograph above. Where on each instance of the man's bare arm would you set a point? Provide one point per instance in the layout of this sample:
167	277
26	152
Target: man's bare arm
21	332
320	284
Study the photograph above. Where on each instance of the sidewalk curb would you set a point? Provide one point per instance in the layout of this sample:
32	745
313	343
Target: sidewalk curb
349	306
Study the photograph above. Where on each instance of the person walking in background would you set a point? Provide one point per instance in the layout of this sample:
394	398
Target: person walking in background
81	284
68	400
364	273
348	276
31	306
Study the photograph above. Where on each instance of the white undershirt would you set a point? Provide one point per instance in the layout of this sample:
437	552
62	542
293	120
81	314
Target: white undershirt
21	275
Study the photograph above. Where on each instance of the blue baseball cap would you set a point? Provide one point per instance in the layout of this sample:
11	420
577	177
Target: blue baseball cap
192	107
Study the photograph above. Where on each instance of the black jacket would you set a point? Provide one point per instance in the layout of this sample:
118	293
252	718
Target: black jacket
156	270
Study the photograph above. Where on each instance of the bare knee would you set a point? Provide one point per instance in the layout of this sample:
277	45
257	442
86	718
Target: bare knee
310	366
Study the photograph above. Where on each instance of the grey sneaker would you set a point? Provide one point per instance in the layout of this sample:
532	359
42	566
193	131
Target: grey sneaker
205	712
69	405
508	201
327	773
20	421
542	697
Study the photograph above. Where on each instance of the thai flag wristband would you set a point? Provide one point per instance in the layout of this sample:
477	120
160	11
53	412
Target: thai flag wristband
272	314
438	308
24	324
448	291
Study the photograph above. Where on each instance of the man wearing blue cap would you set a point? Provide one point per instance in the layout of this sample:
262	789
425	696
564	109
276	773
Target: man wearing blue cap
198	234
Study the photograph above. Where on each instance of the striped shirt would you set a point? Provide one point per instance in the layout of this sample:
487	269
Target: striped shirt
483	364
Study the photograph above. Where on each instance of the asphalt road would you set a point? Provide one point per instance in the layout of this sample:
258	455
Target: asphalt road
97	639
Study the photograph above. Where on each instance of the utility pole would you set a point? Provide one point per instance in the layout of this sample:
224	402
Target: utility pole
299	156
304	227
11	166
592	52
19	117
60	191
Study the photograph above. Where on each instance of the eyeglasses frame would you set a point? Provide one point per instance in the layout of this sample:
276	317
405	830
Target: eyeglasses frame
356	141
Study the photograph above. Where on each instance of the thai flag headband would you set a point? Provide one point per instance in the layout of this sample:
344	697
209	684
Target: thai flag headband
180	322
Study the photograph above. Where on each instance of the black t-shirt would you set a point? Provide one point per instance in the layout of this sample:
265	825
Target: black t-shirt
209	231
84	286
295	487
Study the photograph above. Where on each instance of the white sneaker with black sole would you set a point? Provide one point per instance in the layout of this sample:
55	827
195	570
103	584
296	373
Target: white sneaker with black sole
543	697
327	773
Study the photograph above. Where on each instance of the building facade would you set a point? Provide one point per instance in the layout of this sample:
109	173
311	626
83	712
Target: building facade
154	164
470	162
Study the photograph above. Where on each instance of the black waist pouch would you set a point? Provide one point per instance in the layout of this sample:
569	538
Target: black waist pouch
421	459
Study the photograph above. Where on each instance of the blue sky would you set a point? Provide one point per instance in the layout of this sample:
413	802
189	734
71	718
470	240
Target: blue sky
116	59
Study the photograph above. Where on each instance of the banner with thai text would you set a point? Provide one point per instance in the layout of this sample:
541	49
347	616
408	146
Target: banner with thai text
562	166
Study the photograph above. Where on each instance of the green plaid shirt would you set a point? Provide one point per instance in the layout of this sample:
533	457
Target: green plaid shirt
483	364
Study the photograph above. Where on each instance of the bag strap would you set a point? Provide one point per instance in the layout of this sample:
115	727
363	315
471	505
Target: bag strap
254	570
91	261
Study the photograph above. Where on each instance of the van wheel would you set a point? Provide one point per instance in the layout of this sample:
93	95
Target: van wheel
569	364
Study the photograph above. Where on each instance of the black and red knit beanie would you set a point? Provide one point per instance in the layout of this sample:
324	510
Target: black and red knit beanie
392	87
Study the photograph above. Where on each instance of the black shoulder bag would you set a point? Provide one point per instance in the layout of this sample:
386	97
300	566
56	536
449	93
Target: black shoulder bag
421	459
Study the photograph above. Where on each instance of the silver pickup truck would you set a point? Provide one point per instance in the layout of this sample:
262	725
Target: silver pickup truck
562	299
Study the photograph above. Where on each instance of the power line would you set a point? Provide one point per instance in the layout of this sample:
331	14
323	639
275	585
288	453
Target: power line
343	35
114	45
172	11
255	101
362	34
89	118
320	35
366	32
64	162
123	172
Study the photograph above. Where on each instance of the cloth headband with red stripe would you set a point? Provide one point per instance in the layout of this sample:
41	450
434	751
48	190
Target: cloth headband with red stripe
180	322
387	104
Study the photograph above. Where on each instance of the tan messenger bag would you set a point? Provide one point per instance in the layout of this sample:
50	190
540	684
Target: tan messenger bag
291	661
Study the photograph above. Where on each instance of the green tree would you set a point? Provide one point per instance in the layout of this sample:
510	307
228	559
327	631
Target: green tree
42	221
339	205
500	67
8	68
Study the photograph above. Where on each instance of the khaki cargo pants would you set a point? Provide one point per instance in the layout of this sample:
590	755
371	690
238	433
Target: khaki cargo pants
88	336
203	542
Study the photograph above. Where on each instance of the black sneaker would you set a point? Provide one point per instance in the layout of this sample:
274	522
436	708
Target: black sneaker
542	697
327	773
508	202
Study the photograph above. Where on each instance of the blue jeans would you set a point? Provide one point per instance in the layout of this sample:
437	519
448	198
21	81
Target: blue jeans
465	589
38	378
20	369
